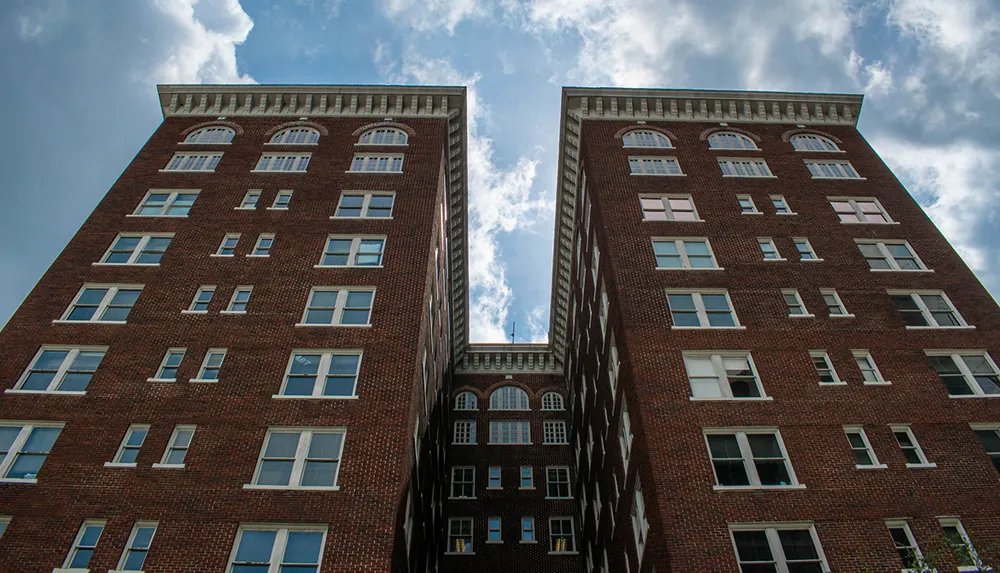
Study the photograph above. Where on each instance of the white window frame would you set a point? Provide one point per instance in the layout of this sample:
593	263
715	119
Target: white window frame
250	205
680	245
668	210
625	436
860	430
917	297
905	428
553	402
399	137
803	241
552	431
967	375
311	137
466	429
640	524
299	162
257	246
825	292
124	446
352	255
340	306
280	542
745	167
194	301
205	365
749	199
172	195
219	252
842	165
774	541
365	203
714	139
75	547
449	550
528	527
572	535
977	562
519	431
26	427
494	473
233	300
891	524
322	371
634	139
301	454
103	306
490	529
455	470
824	142
780	199
883	246
763	243
866	356
129	549
212	159
702	311
462	401
158	377
139	249
195	137
508	394
175	445
558	482
791	292
853	202
374	158
529	475
282	200
60	374
748	460
717	359
646	166
825	357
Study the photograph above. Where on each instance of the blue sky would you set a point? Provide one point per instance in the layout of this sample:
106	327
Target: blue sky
80	75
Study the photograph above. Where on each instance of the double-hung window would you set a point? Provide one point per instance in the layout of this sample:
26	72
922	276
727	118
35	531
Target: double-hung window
869	370
210	367
241	298
805	249
557	482
263	247
277	548
824	367
747	206
493	478
128	451
683	253
561	535
201	298
360	205
227	247
784	548
463	482
744	167
890	256
528	530
322	374
668	208
864	454
989	437
459	535
137	249
339	306
768	250
780	205
831	169
722	376
250	200
640	524
911	449
493	530
961	546
281	200
701	309
966	373
23	449
926	309
527	478
859	210
464	432
167	372
177	447
283	162
103	303
348	251
554	432
163	203
139	541
510	432
377	163
654	166
61	369
195	161
796	308
834	306
83	546
906	546
750	458
300	458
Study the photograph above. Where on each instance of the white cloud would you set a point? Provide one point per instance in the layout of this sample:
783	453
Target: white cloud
428	15
41	20
538	325
506	64
205	35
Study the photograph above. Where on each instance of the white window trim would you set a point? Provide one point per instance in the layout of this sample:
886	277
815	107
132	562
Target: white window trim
859	429
209	128
702	311
761	241
665	200
812	251
572	536
625	437
950	521
173	193
784	202
777	553
232	299
640	523
163	364
833	293
171	445
717	357
853	201
533	531
741	137
210	154
452	482
881	245
837	381
382	144
260	238
194	301
115	463
76	542
298	127
282	154
222	245
919	300
368	157
366	201
568	482
338	311
741	438
755	211
924	462
905	526
806	162
816	135
204	365
521	476
970	380
755	160
280	542
301	453
246	198
667	160
881	381
322	372
489	529
473	436
102	306
489	478
60	374
474	397
283	192
131	539
555	423
526	423
682	252
26	426
558	400
798	298
143	241
352	255
472	535
669	145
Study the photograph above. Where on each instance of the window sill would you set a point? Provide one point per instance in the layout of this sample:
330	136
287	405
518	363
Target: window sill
459	553
381	145
901	270
661	221
526	489
364	219
244	208
778	260
461	498
376	172
708	328
304	324
168	466
186	311
921	466
555	443
868	223
158	216
203	381
270	143
14	480
658	174
811	260
690	269
801	316
347	266
284	397
217	255
168	380
89	322
841	383
757	487
68	570
232	312
883	383
528	542
875	467
926	327
785	214
252	256
841	178
750	176
275	208
51	393
563	553
125	264
494	489
550	497
187	170
494	542
842	316
756	399
203	143
819	151
951	396
114	465
287	488
519	444
469	444
751	213
281	172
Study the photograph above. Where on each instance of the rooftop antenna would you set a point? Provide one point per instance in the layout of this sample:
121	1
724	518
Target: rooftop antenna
512	326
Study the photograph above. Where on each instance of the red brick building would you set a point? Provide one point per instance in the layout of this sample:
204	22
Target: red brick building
254	355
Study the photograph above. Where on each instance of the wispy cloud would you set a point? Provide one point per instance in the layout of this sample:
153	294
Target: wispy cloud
427	15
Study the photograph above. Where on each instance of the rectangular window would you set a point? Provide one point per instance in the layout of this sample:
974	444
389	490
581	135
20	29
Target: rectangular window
668	208
197	161
554	432
528	530
806	252
640	525
859	210
791	547
493	533
163	203
463	482
654	166
227	247
725	376
864	455
966	373
211	365
752	458
465	432
744	167
137	547
768	249
272	548
780	205
241	296
834	306
459	535
989	437
869	370
103	303
250	200
347	251
493	478
701	309
283	162
339	306
511	432
890	256
557	482
912	451
131	444
794	303
527	477
625	435
683	253
747	206
282	200
926	309
824	367
906	545
381	163
57	369
561	535
322	374
263	247
300	458
84	545
133	249
960	545
24	447
167	372
831	169
358	205
202	298
177	447
603	311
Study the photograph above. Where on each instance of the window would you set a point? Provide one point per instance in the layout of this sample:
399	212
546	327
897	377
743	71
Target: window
890	256
212	134
742	167
250	200
561	538
178	446
193	162
283	162
960	545
557	482
459	535
377	163
730	140
166	204
554	432
300	458
322	374
528	530
625	436
84	545
640	525
463	482
831	169
967	373
645	138
273	548
23	449
383	136
339	306
263	247
493	478
806	252
701	309
527	478
654	166
751	458
509	398
241	297
296	136
824	367
859	210
465	432
810	142
466	401
4	523
864	455
167	371
780	205
103	303
990	440
227	247
552	401
282	200
747	206
131	443
794	303
668	208
683	253
210	367
61	369
365	205
906	545
912	451
727	376
512	432
768	249
834	306
130	249
493	530
792	548
345	251
201	299
869	370
613	365
138	546
926	309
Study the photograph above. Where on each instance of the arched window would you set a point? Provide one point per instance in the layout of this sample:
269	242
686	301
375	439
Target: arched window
810	142
509	398
212	134
644	138
466	401
730	140
383	136
296	136
552	401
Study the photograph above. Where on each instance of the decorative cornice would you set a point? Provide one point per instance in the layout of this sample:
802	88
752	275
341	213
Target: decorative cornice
508	359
